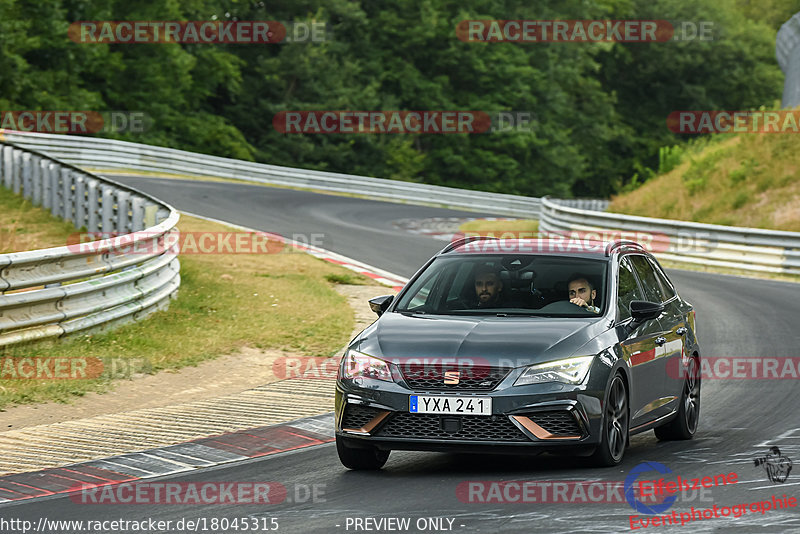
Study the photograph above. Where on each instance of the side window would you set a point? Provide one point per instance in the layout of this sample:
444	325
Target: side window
424	292
667	289
647	276
627	289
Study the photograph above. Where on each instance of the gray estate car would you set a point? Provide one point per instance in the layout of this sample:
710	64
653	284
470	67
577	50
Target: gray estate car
522	346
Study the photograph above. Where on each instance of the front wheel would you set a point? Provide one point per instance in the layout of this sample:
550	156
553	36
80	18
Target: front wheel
614	430
360	459
684	425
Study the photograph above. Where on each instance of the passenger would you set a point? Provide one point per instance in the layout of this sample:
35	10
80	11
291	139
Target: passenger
488	287
582	293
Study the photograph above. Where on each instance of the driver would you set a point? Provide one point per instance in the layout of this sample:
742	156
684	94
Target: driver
487	287
582	293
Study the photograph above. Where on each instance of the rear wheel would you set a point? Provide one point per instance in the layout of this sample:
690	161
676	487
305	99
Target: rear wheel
684	425
614	430
360	458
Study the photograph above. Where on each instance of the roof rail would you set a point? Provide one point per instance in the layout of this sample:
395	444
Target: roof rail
463	241
622	243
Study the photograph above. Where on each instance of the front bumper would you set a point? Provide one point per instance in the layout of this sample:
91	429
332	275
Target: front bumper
547	416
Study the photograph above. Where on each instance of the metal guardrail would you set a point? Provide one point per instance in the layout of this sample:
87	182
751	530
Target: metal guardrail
106	154
84	286
747	249
688	243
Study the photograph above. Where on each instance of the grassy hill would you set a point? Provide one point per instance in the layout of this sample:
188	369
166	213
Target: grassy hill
737	180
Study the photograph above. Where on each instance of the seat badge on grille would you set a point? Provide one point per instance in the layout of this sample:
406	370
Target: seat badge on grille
451	377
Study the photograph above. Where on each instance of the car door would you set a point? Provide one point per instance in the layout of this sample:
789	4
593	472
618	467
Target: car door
668	342
675	321
639	349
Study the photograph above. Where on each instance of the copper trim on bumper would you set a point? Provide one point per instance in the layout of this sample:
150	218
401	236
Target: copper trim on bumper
538	431
371	424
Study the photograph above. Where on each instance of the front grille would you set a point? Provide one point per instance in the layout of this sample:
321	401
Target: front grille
473	427
356	416
472	378
559	422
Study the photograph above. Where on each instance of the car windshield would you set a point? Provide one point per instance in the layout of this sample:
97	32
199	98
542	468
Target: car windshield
508	284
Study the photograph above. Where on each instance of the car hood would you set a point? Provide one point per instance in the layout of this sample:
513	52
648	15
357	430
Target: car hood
492	340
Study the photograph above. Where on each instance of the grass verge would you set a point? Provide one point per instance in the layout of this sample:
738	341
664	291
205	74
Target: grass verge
271	301
512	227
742	180
24	227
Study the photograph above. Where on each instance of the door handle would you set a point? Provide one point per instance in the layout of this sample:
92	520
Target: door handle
660	340
681	331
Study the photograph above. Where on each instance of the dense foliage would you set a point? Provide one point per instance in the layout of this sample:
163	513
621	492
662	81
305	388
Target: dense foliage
599	109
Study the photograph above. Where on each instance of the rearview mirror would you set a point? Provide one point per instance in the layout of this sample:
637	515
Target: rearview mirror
642	310
380	304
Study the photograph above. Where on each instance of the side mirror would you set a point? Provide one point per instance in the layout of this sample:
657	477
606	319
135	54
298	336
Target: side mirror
642	310
380	304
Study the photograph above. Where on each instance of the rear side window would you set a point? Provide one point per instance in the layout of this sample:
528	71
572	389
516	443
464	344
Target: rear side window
628	289
667	289
647	276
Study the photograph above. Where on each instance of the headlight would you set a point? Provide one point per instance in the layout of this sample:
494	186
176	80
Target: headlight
569	371
357	364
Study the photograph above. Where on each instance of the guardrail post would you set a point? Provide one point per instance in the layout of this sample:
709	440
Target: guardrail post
35	192
80	202
123	218
137	214
26	175
48	172
92	206
107	217
16	172
65	197
8	166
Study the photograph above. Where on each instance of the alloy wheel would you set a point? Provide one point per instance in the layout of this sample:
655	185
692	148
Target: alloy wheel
617	419
691	396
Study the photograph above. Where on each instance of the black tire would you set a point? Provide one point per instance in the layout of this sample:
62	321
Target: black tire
684	425
367	458
614	427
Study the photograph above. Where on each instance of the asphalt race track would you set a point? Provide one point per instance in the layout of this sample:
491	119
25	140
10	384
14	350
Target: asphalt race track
740	419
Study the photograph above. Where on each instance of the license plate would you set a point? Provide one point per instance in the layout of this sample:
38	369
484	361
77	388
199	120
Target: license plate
450	405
